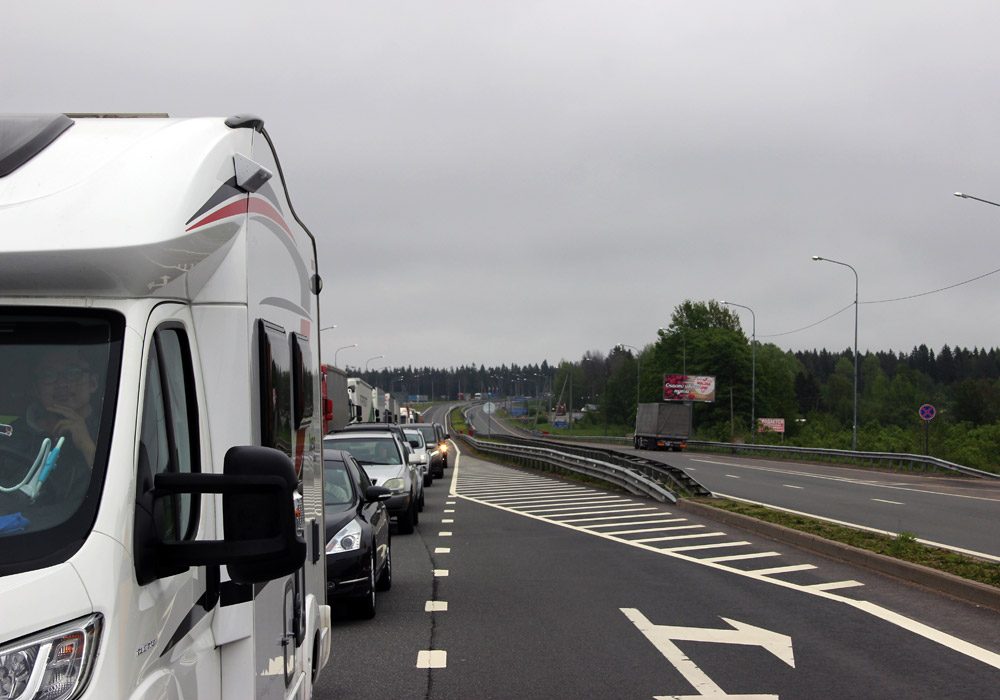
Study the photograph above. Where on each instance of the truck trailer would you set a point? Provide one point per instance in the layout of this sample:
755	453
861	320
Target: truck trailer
161	475
662	426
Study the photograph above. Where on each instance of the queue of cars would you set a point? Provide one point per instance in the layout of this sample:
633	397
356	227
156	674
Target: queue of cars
375	473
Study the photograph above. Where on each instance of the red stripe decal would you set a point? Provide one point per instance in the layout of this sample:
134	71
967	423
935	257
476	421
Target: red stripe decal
264	208
236	208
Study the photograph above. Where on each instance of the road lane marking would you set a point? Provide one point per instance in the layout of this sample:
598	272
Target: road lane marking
442	550
440	573
648	540
978	653
739	557
449	503
432	658
436	606
972	553
641	522
716	545
614	517
449	510
549	509
446	521
834	585
532	502
789	486
601	512
784	569
446	533
732	476
895	503
618	533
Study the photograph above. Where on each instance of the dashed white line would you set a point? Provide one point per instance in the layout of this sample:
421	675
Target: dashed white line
444	533
442	550
446	521
449	510
440	573
432	658
436	606
732	476
789	486
895	503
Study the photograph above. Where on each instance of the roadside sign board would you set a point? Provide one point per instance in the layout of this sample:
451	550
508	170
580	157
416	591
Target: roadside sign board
927	412
489	407
770	425
686	387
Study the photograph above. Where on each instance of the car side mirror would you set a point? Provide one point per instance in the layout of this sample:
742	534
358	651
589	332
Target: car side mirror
377	493
413	459
260	536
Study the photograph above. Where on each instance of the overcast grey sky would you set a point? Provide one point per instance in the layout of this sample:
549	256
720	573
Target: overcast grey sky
496	182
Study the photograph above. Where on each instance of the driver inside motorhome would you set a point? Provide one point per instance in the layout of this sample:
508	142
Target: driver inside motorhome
52	394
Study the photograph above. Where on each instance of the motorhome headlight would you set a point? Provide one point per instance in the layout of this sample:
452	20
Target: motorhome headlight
52	665
347	539
395	485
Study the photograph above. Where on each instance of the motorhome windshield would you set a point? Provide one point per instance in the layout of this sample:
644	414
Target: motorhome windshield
58	385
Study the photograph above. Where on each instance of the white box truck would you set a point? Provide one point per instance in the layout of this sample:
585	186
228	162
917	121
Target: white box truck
663	426
161	475
360	392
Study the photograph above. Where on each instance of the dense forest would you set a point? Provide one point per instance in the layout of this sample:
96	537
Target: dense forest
812	390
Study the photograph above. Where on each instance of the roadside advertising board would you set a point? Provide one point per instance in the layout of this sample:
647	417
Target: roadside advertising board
686	387
770	425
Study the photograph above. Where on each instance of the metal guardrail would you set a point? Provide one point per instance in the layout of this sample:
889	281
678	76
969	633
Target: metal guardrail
623	477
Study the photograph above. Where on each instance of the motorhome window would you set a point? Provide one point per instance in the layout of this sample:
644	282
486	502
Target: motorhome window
168	440
275	388
303	378
58	386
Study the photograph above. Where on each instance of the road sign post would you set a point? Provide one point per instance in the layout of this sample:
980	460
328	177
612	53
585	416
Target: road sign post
927	413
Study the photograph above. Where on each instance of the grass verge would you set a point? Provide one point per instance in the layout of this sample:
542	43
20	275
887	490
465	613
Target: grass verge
903	546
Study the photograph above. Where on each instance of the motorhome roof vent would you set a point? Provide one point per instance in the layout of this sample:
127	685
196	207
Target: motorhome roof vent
24	136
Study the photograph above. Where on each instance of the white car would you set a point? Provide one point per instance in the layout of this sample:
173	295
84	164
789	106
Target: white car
419	447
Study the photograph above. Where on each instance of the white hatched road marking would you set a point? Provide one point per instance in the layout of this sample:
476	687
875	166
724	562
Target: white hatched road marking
789	486
611	517
716	545
973	651
740	557
834	585
640	522
783	569
671	538
654	529
895	503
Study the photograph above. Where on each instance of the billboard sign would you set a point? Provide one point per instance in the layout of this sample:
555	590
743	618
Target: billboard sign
686	387
770	425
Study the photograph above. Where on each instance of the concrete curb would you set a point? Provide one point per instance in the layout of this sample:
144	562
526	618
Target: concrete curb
939	581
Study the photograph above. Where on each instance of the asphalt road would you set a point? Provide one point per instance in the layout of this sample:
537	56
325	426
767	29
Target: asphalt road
550	594
957	512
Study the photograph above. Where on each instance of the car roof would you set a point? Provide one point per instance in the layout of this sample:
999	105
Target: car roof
361	433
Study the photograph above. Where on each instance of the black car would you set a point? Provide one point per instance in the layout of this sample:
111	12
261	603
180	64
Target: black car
358	547
437	446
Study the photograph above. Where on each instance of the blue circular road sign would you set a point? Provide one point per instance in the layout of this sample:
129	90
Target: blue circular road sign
927	412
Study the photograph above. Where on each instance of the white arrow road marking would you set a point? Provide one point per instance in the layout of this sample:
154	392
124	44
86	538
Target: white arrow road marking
663	636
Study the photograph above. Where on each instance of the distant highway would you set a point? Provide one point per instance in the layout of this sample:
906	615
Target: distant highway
960	513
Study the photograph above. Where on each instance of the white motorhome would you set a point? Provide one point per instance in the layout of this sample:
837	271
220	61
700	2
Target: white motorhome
161	475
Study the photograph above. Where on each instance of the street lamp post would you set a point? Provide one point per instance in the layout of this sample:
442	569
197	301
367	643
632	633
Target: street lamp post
753	370
854	431
375	357
978	199
352	345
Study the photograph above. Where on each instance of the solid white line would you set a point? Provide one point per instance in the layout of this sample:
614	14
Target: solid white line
618	533
895	503
671	538
834	585
717	545
442	550
783	569
978	653
433	658
436	606
641	522
454	472
738	557
440	573
981	555
789	486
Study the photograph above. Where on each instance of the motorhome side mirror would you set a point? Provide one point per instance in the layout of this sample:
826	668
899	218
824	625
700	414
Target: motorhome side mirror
377	493
260	539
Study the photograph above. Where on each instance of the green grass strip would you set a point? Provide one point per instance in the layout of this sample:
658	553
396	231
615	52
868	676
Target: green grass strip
903	546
